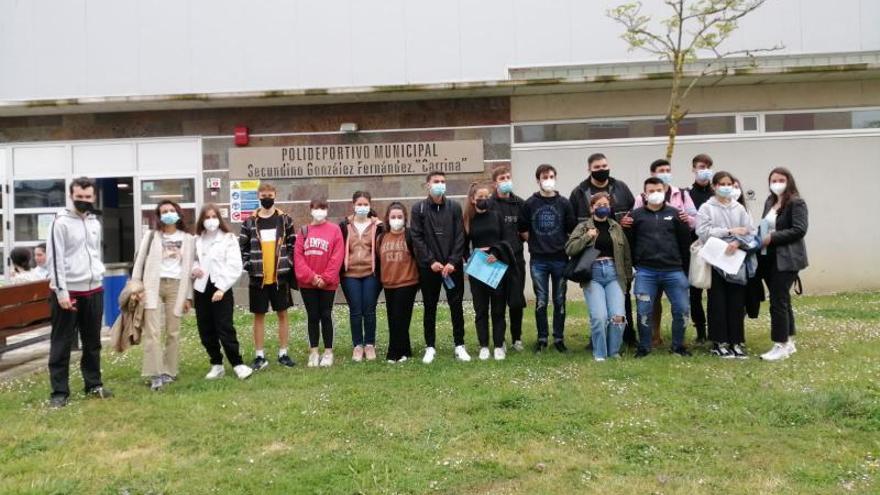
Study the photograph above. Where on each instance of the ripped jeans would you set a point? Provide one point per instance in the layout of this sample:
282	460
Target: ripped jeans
648	285
547	274
604	297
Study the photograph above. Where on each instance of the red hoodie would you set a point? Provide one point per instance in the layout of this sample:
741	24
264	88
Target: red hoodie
319	251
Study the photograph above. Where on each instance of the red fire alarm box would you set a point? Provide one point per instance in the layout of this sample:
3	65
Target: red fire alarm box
242	135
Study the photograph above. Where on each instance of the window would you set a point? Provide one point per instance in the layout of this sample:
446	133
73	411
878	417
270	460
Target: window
177	190
39	193
622	129
33	226
822	121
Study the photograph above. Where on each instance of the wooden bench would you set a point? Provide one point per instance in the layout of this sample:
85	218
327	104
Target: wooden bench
23	308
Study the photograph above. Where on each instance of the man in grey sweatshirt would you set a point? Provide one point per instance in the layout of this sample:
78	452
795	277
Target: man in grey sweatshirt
76	272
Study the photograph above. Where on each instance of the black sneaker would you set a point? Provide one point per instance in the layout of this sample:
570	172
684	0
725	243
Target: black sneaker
57	401
285	360
721	350
681	351
739	351
259	363
560	346
99	392
642	353
540	345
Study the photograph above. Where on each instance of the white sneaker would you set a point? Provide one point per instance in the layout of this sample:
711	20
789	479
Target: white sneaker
484	353
314	359
402	359
599	360
243	371
518	345
216	372
778	352
462	355
327	359
790	346
429	355
500	354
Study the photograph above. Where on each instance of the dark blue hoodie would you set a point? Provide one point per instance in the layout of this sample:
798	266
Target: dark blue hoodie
548	221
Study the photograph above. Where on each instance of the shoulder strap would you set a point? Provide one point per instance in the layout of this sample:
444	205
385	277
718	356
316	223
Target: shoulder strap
54	253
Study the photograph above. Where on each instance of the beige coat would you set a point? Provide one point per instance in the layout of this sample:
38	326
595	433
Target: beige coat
147	270
129	325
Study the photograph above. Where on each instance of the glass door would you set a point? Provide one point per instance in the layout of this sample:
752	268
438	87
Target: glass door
116	201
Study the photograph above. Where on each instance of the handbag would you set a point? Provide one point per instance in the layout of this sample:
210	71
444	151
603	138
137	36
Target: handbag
700	272
580	268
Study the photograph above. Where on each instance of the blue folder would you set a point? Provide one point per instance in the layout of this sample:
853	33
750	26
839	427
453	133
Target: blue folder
488	273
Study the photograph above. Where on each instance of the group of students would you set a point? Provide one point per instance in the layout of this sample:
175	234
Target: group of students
638	245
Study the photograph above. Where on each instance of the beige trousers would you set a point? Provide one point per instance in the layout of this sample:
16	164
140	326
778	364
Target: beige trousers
159	359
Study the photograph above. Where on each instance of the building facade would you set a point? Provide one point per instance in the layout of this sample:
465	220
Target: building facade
148	98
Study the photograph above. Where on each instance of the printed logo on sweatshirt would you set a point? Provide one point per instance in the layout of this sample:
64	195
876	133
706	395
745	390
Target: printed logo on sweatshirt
546	221
315	246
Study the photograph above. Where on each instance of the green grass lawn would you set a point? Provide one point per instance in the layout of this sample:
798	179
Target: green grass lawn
550	423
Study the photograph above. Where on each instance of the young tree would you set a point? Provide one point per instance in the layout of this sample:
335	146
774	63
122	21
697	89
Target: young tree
694	28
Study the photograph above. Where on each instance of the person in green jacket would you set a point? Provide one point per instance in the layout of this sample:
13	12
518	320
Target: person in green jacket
612	274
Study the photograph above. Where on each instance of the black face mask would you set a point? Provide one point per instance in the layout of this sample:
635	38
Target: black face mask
601	175
482	204
85	207
267	202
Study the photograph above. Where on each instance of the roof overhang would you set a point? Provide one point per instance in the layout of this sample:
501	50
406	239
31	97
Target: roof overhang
775	69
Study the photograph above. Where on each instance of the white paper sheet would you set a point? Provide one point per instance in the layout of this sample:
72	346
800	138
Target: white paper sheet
713	253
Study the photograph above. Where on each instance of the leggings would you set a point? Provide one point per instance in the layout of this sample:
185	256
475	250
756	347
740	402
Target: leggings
319	309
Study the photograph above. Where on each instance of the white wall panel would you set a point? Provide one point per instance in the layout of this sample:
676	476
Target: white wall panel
104	159
40	161
169	156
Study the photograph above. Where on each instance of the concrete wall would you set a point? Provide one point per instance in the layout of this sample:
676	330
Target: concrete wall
76	48
836	174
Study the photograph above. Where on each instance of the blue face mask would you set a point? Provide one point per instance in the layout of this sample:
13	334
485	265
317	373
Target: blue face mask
705	175
361	211
169	218
724	191
602	212
505	187
438	189
666	177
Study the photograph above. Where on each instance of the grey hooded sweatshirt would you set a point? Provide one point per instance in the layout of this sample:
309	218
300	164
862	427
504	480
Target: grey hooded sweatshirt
73	254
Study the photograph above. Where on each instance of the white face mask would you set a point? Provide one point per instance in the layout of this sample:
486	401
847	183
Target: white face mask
656	198
319	215
396	224
778	187
212	224
548	185
737	192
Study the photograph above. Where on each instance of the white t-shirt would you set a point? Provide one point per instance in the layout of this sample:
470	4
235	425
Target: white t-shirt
172	245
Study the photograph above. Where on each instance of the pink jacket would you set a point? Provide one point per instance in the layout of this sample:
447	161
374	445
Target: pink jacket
319	250
678	198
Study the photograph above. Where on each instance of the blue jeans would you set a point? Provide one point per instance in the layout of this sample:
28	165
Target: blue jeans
362	295
647	287
543	272
605	299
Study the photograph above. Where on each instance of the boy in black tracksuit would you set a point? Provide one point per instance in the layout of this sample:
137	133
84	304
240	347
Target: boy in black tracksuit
439	242
510	206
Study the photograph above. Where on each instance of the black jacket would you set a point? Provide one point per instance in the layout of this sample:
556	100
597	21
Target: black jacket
549	221
437	233
700	194
505	253
659	240
622	199
511	210
788	239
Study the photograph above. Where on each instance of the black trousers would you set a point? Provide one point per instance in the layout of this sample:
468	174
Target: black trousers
214	320
727	311
516	314
399	306
779	286
698	316
431	284
486	300
319	311
85	319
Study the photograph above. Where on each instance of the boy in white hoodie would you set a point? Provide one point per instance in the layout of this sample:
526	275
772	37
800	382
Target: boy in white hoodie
76	272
